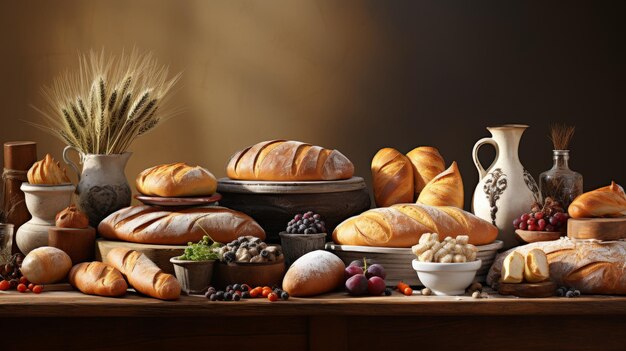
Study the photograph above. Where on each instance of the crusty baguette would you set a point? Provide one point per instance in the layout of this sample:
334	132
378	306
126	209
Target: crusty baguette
286	160
97	278
402	225
446	189
153	225
143	274
176	180
48	172
392	176
427	164
608	201
591	267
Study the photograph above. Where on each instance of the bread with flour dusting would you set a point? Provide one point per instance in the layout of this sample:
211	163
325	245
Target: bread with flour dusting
176	180
315	273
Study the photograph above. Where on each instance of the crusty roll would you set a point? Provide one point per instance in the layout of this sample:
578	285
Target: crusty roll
176	180
143	274
427	163
446	189
591	267
286	160
154	225
608	201
402	225
48	172
97	278
314	273
392	175
71	217
46	265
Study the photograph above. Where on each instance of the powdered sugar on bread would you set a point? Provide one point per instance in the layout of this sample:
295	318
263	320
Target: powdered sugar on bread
314	273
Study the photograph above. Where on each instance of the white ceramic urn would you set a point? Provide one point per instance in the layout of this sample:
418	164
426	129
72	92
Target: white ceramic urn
505	189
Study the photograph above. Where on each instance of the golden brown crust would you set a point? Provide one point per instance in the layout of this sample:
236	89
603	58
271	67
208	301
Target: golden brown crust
608	201
97	278
427	164
392	176
154	225
47	172
176	180
143	274
288	160
446	189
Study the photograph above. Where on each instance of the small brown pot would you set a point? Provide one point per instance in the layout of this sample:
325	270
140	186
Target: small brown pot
296	245
194	276
253	274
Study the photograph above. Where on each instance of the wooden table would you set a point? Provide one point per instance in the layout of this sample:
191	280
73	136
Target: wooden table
70	320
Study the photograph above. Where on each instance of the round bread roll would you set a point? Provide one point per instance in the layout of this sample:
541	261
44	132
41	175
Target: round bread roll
71	217
46	265
392	175
176	180
315	273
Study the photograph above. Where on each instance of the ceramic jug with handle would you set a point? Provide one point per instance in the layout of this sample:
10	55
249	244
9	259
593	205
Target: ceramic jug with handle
505	189
102	186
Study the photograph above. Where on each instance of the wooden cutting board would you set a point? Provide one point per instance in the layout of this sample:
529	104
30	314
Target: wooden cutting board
159	254
543	289
597	228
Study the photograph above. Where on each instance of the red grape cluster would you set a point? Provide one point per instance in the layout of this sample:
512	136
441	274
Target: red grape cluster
363	278
550	217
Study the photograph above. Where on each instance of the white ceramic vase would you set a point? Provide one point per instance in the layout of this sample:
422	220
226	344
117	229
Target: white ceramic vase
43	203
102	186
505	189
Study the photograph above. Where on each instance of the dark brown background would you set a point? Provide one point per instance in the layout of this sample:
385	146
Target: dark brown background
352	75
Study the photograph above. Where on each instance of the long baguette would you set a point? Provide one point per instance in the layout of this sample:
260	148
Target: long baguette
402	225
143	274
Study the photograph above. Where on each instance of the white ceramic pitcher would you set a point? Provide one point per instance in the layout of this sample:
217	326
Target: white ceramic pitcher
102	186
505	189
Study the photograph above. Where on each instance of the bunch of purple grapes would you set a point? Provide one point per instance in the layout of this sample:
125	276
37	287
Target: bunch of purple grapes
548	217
307	223
363	278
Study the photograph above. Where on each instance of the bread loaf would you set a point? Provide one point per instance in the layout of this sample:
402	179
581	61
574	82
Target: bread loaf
283	160
176	180
591	267
154	225
392	176
446	189
71	217
427	164
47	172
513	268
143	274
402	225
314	273
97	278
46	265
608	201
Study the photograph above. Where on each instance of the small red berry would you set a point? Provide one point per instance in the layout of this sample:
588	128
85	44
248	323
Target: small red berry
37	289
23	280
22	287
272	297
5	285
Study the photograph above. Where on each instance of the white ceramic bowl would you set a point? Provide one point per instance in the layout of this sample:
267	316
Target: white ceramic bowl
446	278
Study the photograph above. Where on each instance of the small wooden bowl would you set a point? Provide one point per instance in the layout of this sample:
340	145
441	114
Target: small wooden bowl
78	243
253	274
527	236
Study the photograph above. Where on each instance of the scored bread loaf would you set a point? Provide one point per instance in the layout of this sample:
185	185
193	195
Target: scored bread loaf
402	225
97	278
589	266
143	275
427	163
154	225
392	176
176	180
608	201
446	189
48	172
287	160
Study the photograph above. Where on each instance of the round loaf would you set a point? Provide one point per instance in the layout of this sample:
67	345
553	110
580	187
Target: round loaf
46	265
392	175
97	278
315	273
176	180
71	217
288	160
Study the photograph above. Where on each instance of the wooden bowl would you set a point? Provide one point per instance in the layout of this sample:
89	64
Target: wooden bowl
253	274
527	236
273	204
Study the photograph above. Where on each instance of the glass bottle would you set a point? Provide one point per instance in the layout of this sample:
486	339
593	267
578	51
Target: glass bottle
560	182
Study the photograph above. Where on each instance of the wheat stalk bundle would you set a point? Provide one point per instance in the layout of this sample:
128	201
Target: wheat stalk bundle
109	102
